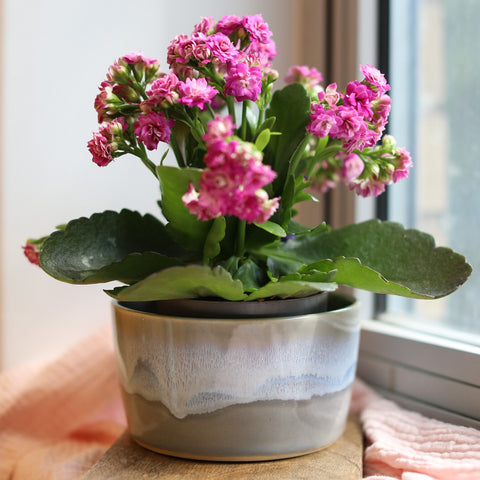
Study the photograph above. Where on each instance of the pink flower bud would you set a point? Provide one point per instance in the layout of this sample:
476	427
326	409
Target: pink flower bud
32	252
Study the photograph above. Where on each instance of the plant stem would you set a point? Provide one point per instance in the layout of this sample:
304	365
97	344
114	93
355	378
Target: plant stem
298	155
231	108
242	226
244	119
261	117
142	154
177	152
210	110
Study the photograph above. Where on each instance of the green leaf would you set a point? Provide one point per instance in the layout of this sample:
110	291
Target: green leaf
295	228
301	194
215	235
291	288
272	227
304	197
382	257
250	274
191	281
262	140
288	194
279	266
231	264
132	268
267	124
323	271
183	226
291	107
351	272
95	249
298	161
319	276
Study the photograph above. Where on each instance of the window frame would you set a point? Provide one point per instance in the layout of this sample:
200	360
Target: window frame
421	371
430	374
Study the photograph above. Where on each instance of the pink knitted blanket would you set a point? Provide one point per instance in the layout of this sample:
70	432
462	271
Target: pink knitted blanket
57	420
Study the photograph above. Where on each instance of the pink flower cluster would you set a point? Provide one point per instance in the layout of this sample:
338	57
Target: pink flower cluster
219	60
119	96
356	117
231	183
243	82
355	120
169	90
231	53
153	128
309	77
382	165
119	90
366	172
106	141
389	167
230	60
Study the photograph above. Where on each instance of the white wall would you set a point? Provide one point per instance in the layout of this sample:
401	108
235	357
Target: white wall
55	54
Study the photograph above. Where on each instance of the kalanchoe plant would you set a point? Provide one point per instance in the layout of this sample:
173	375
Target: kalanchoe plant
245	156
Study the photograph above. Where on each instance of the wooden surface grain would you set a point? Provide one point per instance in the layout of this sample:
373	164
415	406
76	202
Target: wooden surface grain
340	461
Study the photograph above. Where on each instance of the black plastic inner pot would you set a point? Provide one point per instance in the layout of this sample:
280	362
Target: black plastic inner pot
218	308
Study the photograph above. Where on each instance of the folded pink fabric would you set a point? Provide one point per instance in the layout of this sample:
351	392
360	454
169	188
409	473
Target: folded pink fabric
56	420
405	445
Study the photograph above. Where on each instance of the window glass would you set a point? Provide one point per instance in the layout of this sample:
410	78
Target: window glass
435	80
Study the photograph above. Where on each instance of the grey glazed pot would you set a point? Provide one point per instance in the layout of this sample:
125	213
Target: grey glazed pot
237	389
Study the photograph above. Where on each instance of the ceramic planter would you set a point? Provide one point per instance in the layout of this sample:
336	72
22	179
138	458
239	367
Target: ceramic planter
237	389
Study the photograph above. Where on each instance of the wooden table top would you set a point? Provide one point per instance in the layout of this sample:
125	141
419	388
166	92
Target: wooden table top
126	460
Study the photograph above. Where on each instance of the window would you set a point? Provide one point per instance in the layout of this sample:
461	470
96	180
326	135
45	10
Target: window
426	354
438	91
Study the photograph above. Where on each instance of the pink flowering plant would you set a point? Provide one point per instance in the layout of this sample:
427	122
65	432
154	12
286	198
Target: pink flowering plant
245	155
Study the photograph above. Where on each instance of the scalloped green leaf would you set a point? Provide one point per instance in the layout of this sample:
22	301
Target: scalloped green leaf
352	273
133	267
91	250
292	289
381	257
191	281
